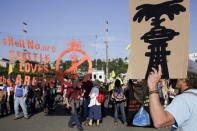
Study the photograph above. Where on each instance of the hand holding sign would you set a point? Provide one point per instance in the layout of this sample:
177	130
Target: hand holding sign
154	78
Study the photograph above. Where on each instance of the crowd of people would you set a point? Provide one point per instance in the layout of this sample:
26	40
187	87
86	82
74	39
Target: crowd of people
25	98
88	102
83	98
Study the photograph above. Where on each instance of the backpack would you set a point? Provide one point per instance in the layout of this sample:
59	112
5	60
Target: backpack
101	97
19	91
119	95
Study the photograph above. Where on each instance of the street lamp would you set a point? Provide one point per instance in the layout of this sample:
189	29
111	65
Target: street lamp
106	44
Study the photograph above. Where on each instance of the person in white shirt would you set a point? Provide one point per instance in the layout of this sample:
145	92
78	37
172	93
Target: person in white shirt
20	96
95	106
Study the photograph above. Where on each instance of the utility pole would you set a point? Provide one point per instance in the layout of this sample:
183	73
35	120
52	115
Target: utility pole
25	33
24	30
106	44
96	50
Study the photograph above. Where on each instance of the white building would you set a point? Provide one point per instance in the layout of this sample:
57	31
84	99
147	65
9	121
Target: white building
193	57
98	75
192	67
3	62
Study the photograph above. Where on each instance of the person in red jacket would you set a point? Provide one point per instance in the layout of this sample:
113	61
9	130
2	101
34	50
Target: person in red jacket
73	96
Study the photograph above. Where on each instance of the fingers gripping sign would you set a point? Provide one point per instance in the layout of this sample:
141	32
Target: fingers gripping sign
154	78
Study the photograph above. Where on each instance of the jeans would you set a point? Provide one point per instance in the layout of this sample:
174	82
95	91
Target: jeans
4	108
74	116
52	101
95	112
46	101
119	106
11	104
86	102
31	105
20	101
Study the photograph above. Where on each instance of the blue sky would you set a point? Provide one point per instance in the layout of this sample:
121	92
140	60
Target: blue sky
51	22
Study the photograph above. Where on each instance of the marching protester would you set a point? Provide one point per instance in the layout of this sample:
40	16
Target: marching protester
46	98
20	97
63	91
132	100
87	87
52	98
119	102
38	95
31	102
11	97
3	101
104	90
73	96
95	105
182	110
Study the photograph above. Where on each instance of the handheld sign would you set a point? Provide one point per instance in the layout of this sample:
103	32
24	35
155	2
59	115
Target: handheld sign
160	36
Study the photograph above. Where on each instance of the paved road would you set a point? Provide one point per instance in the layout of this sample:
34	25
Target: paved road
57	121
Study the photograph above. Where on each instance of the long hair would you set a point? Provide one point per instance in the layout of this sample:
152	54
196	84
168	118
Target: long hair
117	83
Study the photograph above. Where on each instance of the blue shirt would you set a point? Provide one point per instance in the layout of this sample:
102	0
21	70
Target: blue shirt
25	89
5	88
184	109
